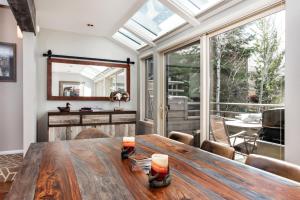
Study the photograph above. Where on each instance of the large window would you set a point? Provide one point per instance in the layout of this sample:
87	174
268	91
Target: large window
247	71
183	89
149	85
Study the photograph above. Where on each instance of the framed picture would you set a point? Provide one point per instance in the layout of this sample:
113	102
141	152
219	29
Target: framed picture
70	88
8	69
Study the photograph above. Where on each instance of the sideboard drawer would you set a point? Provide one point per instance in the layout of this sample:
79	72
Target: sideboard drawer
123	118
64	119
95	119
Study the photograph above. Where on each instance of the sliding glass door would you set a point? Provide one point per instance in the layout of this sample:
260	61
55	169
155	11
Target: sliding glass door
247	72
183	90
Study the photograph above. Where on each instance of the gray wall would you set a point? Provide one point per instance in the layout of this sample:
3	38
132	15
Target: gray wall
11	137
68	43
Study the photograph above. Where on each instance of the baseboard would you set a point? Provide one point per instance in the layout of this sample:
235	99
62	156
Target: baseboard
11	152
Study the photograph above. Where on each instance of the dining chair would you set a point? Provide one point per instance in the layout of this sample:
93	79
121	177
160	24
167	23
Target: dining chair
219	149
182	137
90	133
220	133
275	166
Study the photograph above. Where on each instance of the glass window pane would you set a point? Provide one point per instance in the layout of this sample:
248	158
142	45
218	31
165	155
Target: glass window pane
129	39
149	88
196	6
247	71
183	90
154	19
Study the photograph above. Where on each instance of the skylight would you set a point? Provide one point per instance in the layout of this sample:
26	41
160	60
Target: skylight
154	19
196	6
128	39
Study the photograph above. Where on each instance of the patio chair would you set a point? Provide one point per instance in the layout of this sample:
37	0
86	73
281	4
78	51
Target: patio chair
218	148
220	133
274	166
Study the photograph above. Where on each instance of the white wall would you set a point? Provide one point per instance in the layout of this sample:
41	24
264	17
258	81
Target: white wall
11	137
67	43
292	133
29	90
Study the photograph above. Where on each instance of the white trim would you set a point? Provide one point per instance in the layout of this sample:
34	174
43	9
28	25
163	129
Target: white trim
139	35
204	88
123	45
181	12
142	80
246	20
146	54
159	87
11	152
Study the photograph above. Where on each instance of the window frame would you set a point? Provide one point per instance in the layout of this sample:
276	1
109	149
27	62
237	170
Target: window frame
145	100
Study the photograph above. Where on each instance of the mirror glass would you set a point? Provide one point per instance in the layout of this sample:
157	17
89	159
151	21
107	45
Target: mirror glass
77	80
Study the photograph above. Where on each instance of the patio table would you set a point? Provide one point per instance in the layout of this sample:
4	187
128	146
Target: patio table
242	124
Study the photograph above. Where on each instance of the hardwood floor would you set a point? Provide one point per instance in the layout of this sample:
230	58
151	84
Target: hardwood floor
4	188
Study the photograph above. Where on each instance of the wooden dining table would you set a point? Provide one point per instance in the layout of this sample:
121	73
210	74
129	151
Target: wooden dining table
93	169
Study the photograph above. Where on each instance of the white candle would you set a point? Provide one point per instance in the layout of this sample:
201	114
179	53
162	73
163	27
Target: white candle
128	141
160	163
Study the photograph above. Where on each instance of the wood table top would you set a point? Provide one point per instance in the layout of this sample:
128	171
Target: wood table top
92	169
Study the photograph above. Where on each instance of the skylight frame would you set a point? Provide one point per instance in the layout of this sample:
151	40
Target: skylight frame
129	39
194	7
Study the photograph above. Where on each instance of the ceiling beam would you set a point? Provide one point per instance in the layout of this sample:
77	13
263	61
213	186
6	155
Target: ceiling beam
181	12
25	14
139	35
128	15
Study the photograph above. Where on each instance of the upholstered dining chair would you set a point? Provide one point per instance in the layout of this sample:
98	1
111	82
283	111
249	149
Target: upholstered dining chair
182	137
272	165
90	133
219	149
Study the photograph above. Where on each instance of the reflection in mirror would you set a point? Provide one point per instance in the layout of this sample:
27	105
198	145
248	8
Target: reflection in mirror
78	80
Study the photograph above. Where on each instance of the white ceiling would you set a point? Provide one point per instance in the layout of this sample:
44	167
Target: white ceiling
74	15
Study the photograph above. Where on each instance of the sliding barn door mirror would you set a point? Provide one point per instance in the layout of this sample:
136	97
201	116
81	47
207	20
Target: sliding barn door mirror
85	80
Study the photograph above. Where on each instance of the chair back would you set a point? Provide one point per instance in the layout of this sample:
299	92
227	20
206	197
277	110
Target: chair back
219	130
272	165
91	133
219	149
182	137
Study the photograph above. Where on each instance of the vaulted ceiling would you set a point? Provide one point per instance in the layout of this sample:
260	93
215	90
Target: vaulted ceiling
73	15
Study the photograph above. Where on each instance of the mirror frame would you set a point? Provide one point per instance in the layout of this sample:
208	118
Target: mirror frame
82	62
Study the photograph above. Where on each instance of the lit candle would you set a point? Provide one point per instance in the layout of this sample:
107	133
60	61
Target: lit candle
160	166
128	141
128	147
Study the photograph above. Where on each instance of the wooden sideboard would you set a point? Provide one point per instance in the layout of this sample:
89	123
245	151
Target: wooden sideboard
67	125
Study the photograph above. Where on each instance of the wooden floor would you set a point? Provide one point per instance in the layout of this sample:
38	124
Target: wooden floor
4	188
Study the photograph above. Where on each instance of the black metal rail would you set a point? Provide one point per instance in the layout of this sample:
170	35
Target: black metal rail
50	55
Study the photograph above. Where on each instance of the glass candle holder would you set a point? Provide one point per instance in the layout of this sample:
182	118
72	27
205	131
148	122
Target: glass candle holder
128	147
159	175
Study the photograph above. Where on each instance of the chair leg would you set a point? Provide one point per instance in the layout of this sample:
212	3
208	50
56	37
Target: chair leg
245	142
